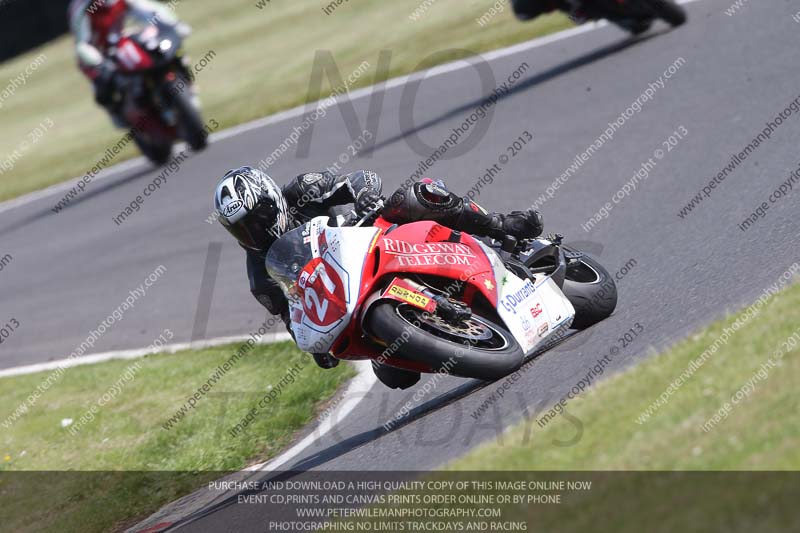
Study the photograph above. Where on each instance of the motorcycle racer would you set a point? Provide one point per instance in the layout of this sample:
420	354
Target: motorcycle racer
94	23
257	212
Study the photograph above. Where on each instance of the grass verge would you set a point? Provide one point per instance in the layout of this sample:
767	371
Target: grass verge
128	463
755	374
252	62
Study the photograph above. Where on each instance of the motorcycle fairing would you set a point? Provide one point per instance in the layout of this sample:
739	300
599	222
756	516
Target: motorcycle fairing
534	311
404	292
342	259
429	248
333	273
131	58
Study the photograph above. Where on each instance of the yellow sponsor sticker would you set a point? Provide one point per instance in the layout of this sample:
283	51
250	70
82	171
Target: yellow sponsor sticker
414	298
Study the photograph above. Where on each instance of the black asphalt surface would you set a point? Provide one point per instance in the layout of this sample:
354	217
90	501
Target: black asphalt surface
72	269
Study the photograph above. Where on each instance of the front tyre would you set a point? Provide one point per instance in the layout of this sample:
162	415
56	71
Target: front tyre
591	290
476	348
190	122
157	153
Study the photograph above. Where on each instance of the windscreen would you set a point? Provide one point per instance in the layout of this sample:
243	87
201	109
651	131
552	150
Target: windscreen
287	257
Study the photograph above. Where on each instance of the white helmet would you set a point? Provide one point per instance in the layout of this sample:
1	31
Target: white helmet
251	207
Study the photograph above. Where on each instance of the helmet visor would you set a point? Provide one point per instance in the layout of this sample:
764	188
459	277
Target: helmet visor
258	229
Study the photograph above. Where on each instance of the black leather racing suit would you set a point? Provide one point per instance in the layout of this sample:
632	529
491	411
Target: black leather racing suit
313	194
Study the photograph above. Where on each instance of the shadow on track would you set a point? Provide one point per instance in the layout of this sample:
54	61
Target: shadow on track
111	185
43	213
421	411
356	441
521	86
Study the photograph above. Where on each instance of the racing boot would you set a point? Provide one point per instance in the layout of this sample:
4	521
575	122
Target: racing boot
430	200
523	225
519	224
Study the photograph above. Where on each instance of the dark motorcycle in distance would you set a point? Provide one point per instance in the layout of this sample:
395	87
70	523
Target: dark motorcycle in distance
155	89
635	16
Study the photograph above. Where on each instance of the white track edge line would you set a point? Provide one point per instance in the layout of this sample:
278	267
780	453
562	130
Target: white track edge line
175	511
365	379
363	382
301	109
135	354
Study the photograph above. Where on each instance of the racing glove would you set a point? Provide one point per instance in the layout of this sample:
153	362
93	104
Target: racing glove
367	200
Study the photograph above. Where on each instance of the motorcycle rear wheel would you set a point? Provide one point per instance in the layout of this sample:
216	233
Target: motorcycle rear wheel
483	350
591	290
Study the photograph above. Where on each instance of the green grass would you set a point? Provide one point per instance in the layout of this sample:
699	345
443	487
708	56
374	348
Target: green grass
151	465
262	63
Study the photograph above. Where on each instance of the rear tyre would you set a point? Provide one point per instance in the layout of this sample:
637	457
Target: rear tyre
484	351
158	154
591	291
189	117
395	378
671	12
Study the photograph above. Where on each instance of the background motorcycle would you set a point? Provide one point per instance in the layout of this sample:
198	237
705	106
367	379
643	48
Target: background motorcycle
635	16
155	86
423	298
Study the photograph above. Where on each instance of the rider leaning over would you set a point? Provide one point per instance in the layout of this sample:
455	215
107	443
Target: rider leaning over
257	212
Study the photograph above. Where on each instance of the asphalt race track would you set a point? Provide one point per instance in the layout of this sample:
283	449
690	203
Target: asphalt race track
71	270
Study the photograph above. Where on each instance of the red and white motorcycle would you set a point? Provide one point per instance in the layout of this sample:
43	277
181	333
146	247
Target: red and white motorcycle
421	297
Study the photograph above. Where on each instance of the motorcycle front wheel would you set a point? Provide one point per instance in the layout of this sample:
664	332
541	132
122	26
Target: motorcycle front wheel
474	348
190	121
158	154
